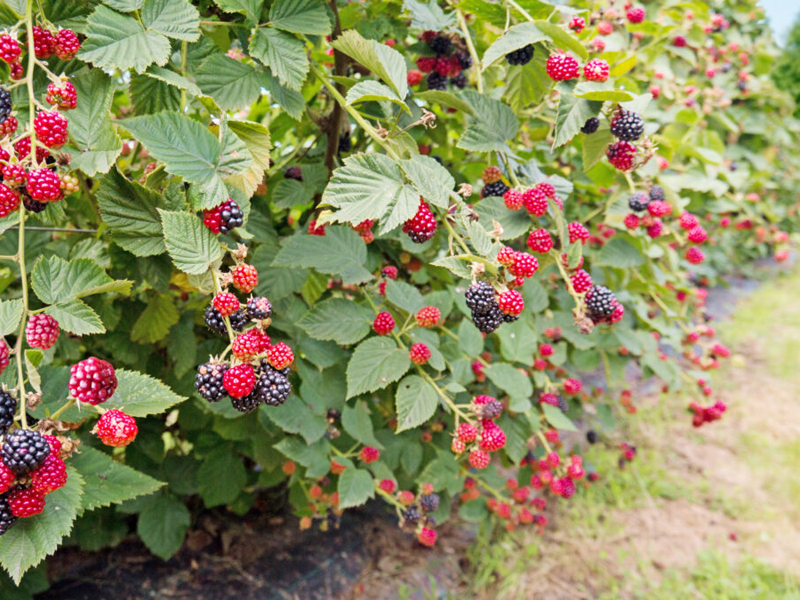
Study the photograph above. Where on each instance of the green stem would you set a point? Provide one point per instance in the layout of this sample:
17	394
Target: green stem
457	237
61	410
521	10
462	23
226	319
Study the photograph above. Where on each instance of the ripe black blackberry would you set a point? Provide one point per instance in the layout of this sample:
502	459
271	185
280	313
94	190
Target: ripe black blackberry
480	298
293	173
259	308
627	126
657	193
490	321
232	217
563	405
591	436
345	142
600	302
441	44
238	320
32	205
247	403
8	406
429	502
333	414
498	188
272	386
436	81
591	125
5	104
509	318
7	518
214	321
24	450
491	410
638	201
464	59
460	81
208	381
520	56
411	515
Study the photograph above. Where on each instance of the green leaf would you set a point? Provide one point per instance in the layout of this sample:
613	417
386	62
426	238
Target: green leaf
162	525
98	145
177	19
572	114
458	265
76	317
173	79
191	151
375	363
528	84
357	422
108	481
339	252
514	223
557	419
404	295
515	38
337	319
231	83
250	8
10	316
433	182
283	53
386	63
371	186
416	402
124	5
131	212
191	245
300	16
255	137
290	100
372	91
510	380
601	92
469	338
297	416
561	38
493	126
447	99
30	540
427	14
117	41
141	395
156	319
620	254
56	280
355	487
151	96
221	477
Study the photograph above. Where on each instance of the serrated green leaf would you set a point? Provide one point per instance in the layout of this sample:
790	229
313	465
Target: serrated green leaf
290	100
340	252
427	14
297	416
595	145
447	99
141	395
276	282
76	317
373	91
256	138
27	543
190	244
151	96
162	524
458	265
433	182
404	295
510	380
337	319
117	41
514	223
289	193
231	83
355	487
109	481
601	92
515	38
156	319
572	114
177	19
300	16
131	212
528	84
221	477
557	419
283	53
375	363
173	79
561	38
10	315
416	402
56	280
250	8
493	126
386	63
620	254
315	457
124	5
358	424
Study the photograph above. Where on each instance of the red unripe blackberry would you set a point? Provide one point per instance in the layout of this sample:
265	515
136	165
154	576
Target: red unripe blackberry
426	64
525	265
659	208
383	323
535	201
636	15
16	71
42	331
9	200
687	220
7	478
511	302
259	308
51	128
365	225
457	446
568	488
679	41
513	199
50	475
577	24
695	256
479	459
226	303
414	78
491	174
115	428
14	175
23	148
8	126
655	229
427	536
422	226
492	437
250	344
44	185
467	432
280	356
369	454
239	380
577	232
540	241
561	67
596	70
632	221
9	48
605	28
67	44
389	272
388	486
428	316
245	278
546	350
44	43
92	381
419	353
697	234
25	502
506	256
208	381
621	155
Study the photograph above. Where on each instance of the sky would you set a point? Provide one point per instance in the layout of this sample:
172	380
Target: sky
781	15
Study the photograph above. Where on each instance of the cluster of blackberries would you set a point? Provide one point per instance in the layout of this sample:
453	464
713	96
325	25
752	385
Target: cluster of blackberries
493	182
520	56
486	314
639	201
449	61
272	386
216	323
224	218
